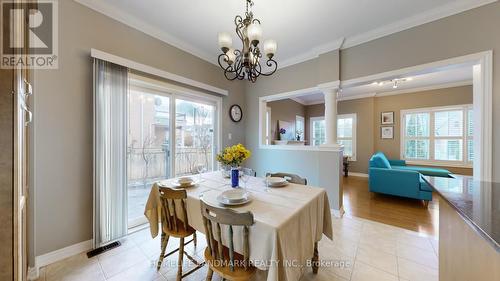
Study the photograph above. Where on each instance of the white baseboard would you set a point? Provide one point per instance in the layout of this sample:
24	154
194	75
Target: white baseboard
338	213
33	273
361	175
61	254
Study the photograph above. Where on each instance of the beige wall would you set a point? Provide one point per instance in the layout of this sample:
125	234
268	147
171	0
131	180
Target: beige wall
63	117
284	110
466	33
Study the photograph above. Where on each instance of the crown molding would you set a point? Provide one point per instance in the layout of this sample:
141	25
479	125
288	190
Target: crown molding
426	88
444	11
339	43
136	23
313	53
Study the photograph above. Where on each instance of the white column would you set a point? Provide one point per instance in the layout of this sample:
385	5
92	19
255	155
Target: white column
331	116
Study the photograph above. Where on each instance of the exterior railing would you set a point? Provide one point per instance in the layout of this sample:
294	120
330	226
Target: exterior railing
150	164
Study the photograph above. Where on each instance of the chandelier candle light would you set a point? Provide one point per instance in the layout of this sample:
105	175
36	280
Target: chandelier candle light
246	63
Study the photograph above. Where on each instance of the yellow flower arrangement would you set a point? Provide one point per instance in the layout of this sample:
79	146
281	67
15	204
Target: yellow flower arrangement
233	155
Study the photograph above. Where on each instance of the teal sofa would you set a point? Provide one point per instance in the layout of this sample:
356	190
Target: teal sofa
394	177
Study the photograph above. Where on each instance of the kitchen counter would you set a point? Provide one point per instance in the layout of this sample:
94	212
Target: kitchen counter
477	202
469	228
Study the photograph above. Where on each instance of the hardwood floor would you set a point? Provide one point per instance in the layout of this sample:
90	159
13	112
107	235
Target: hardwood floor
397	211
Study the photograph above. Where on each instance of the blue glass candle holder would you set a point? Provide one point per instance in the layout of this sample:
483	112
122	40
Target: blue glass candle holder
235	177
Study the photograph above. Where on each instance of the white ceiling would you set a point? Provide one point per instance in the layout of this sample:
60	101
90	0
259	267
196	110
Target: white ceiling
303	29
432	79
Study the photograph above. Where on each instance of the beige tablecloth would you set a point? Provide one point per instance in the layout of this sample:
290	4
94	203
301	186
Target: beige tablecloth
288	220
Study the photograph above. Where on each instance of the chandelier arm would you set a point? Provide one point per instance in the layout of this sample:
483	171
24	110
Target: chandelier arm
273	65
229	72
238	21
225	58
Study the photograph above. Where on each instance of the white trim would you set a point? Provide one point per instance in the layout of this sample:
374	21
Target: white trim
360	175
426	88
338	43
444	11
338	213
355	97
404	91
63	253
140	25
313	53
154	71
33	273
302	147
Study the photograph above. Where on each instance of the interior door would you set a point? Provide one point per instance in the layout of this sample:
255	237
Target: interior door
22	119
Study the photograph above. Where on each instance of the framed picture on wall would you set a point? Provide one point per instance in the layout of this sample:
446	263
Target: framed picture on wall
387	118
387	132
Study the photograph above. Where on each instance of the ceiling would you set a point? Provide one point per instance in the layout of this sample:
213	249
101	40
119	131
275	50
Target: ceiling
436	78
303	29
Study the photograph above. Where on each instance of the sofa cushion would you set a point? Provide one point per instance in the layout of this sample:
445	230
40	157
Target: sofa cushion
379	160
424	186
428	171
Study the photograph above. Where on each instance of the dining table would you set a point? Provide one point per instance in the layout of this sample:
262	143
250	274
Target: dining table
288	221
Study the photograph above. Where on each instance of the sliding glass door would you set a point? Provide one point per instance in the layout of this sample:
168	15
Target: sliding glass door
148	153
194	137
170	133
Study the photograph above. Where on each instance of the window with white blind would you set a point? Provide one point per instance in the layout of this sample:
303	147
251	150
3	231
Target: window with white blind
439	135
346	133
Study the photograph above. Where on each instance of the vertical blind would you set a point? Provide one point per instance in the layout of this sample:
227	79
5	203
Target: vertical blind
110	152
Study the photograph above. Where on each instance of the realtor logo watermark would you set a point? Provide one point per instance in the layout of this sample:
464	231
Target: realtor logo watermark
34	47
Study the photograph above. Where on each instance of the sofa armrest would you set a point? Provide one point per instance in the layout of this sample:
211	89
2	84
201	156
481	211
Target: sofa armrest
397	162
389	179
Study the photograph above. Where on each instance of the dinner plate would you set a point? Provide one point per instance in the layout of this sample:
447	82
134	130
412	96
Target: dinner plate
275	181
176	184
234	197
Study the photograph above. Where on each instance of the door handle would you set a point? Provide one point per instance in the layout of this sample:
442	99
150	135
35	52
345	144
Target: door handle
29	89
29	116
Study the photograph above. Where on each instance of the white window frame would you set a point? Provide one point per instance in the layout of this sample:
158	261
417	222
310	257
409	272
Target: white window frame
342	116
465	163
311	128
354	131
269	135
301	118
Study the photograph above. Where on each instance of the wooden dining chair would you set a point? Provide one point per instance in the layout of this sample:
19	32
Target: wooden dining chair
175	223
249	172
222	260
289	177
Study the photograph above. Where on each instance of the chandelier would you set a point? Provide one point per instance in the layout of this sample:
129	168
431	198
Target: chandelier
246	63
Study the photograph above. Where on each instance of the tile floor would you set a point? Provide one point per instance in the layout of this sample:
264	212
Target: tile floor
361	250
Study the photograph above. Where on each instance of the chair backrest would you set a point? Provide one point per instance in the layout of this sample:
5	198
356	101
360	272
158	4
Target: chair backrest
289	177
249	172
171	199
213	217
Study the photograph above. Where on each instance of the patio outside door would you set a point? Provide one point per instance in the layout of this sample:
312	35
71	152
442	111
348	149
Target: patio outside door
153	112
